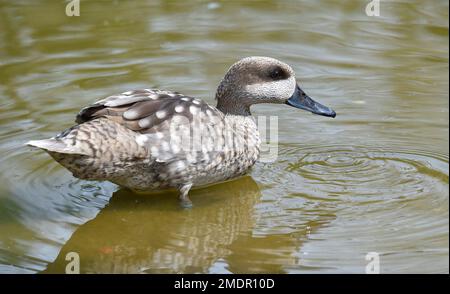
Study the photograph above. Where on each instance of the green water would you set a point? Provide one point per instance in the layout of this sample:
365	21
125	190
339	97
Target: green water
375	179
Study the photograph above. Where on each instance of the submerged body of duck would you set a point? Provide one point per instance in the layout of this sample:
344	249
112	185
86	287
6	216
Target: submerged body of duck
152	139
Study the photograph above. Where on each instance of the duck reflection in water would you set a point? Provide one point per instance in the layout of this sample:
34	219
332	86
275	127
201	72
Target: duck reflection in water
149	234
141	233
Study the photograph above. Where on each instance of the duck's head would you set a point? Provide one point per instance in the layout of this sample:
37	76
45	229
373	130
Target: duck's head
255	80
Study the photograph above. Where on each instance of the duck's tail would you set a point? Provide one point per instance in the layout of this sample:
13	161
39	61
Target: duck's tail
54	145
68	156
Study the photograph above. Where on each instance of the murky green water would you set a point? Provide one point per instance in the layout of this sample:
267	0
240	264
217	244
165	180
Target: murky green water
375	179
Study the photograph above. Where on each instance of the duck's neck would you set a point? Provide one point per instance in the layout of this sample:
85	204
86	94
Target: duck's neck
232	105
228	101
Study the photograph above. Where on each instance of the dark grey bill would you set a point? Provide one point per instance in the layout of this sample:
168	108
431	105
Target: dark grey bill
300	100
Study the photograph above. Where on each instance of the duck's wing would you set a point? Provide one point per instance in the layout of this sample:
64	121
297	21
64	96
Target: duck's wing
141	110
154	114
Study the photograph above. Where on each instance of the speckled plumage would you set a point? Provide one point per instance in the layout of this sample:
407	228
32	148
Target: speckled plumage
152	139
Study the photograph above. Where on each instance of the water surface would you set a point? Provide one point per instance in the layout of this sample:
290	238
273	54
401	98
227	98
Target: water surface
375	179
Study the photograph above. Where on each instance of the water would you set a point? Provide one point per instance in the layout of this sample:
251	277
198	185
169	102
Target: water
375	179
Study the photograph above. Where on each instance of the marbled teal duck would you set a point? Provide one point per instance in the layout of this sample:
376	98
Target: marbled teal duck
152	139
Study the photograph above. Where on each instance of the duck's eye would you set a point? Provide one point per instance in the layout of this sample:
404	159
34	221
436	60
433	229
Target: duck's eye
277	74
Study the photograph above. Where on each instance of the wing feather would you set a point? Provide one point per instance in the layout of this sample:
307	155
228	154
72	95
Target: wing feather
140	110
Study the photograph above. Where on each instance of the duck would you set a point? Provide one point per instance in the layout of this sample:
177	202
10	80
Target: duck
151	139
